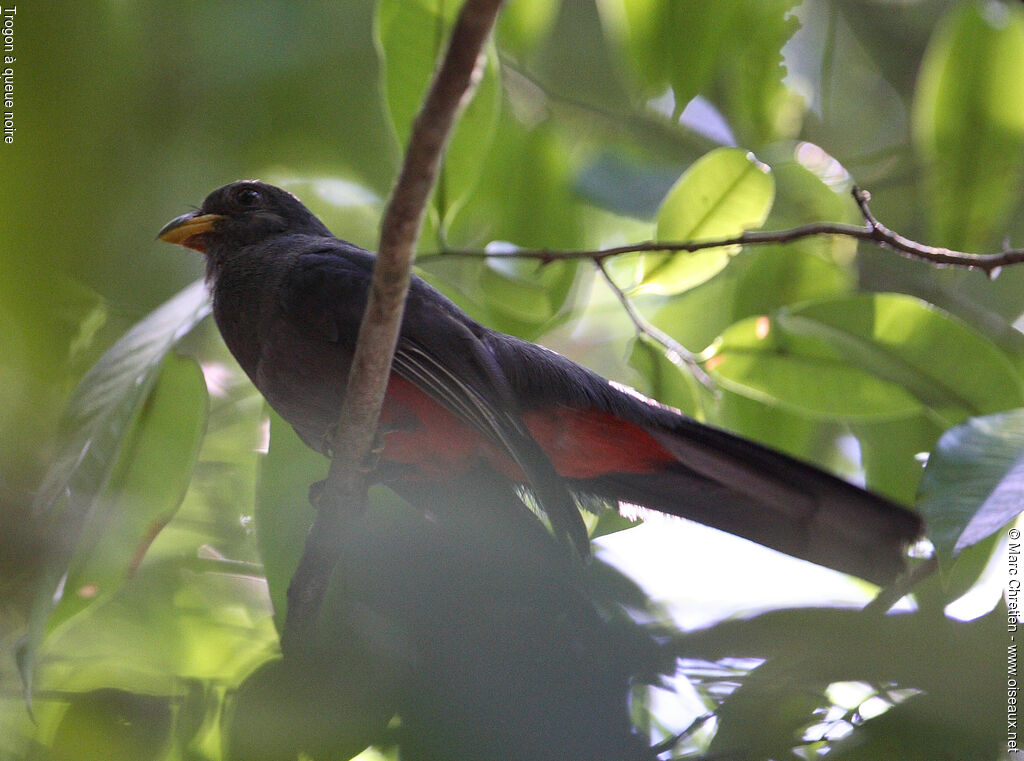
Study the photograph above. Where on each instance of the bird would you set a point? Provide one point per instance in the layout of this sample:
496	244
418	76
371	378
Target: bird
288	298
478	631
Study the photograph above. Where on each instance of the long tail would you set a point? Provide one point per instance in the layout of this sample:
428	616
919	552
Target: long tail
741	487
614	443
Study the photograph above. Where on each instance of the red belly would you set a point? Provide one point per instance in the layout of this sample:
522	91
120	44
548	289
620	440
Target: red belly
580	443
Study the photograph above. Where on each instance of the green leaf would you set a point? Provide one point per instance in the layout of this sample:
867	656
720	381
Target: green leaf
94	425
668	382
147	486
764	715
520	290
578	66
283	513
776	276
867	357
610	522
968	122
811	187
181	618
781	429
953	370
963	575
411	35
470	143
526	195
749	85
890	453
409	38
974	482
649	31
893	36
753	362
698	316
330	709
524	24
724	193
913	731
113	725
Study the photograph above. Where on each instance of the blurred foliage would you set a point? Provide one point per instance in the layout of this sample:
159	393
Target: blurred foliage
152	502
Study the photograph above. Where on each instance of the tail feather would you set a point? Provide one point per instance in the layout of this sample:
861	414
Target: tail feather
743	488
684	468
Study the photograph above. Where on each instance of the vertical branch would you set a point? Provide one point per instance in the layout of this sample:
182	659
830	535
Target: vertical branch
344	491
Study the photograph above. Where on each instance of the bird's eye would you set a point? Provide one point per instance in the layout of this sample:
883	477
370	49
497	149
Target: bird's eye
248	197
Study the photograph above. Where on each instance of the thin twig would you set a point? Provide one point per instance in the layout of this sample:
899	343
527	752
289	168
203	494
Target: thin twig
904	585
675	352
673	740
344	491
872	231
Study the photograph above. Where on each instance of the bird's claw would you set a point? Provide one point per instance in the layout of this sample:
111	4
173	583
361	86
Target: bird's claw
316	491
373	457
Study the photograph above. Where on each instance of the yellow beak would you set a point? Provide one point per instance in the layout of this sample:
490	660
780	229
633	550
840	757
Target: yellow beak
188	230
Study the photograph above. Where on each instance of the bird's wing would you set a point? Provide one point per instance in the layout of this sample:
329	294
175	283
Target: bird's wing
442	352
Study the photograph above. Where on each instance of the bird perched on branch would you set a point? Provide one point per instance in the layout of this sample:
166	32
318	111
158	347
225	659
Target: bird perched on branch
288	298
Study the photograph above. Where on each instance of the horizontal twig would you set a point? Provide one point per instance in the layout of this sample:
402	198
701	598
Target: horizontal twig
872	231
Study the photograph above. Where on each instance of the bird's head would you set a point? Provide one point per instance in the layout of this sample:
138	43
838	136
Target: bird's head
241	214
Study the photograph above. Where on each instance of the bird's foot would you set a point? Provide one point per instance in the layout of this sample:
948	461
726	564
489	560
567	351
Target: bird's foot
372	461
316	491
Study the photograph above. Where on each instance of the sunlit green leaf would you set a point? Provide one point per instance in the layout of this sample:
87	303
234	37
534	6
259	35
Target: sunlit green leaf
751	87
526	194
968	121
524	24
470	143
891	451
697	316
411	35
879	356
750	363
953	370
724	193
610	522
649	33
